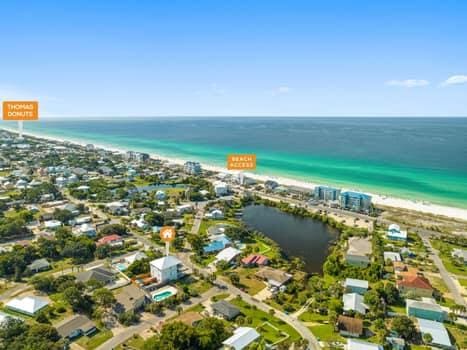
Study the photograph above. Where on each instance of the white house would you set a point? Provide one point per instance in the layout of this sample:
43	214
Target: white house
165	269
215	214
160	195
395	233
354	302
356	344
86	229
52	224
28	305
241	338
130	259
227	254
221	188
393	256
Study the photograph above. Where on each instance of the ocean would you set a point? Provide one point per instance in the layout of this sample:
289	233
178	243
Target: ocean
411	158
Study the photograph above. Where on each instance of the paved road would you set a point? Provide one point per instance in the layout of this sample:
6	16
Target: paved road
452	286
150	320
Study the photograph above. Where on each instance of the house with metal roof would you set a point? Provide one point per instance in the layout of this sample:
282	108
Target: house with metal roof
437	331
356	344
396	234
29	305
242	337
426	309
353	285
354	302
100	274
39	265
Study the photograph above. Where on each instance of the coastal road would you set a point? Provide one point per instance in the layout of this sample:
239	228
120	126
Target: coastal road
434	256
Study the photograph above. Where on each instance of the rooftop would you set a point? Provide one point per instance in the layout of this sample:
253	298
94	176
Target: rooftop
165	262
242	337
437	330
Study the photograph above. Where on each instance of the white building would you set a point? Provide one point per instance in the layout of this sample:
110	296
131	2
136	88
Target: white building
221	188
228	254
354	302
52	224
215	214
395	233
28	305
393	256
165	269
355	344
241	338
437	331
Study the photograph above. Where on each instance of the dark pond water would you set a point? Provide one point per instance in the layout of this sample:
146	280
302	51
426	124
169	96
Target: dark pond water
303	237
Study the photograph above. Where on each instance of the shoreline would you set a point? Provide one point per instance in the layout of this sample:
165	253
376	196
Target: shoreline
420	206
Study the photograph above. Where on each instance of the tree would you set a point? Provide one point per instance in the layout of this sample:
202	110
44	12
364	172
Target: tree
103	297
197	243
44	284
405	327
234	278
118	229
62	215
128	318
76	299
427	338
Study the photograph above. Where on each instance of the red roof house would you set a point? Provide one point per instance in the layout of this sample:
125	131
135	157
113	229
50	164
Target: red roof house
113	240
255	260
415	284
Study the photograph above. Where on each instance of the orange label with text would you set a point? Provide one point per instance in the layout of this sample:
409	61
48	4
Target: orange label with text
167	233
20	110
241	161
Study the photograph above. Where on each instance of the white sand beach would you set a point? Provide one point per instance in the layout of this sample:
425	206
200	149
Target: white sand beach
421	206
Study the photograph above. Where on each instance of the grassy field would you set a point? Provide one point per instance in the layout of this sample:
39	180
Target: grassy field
259	317
325	332
135	342
206	223
248	280
95	340
445	250
460	335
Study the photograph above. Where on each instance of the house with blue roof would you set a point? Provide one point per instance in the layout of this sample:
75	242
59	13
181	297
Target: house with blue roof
217	244
426	309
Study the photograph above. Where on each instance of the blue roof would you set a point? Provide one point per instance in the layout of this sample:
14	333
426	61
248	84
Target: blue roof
214	246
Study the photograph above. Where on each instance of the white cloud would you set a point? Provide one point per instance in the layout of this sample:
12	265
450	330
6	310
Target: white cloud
281	90
455	80
408	83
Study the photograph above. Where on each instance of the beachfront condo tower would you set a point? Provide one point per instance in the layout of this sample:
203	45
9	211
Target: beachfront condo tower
356	201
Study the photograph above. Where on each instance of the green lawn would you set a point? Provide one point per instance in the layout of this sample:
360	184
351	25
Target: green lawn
135	342
95	340
463	282
312	317
325	332
258	317
460	335
249	281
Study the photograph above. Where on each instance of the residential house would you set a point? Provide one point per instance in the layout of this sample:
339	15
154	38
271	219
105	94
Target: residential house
354	302
76	326
349	326
28	305
227	255
39	265
165	269
130	298
396	234
358	251
392	256
221	188
427	309
113	240
437	331
241	339
215	214
415	285
130	259
225	310
275	278
460	254
255	260
356	344
353	285
217	244
100	274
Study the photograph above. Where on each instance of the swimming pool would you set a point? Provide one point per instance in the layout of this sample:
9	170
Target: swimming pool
163	293
120	266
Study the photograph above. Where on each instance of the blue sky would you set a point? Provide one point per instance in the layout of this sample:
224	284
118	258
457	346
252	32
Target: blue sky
301	58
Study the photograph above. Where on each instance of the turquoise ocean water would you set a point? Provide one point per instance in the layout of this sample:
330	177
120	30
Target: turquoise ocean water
413	158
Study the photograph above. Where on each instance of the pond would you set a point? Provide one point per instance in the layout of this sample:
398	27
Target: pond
306	238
